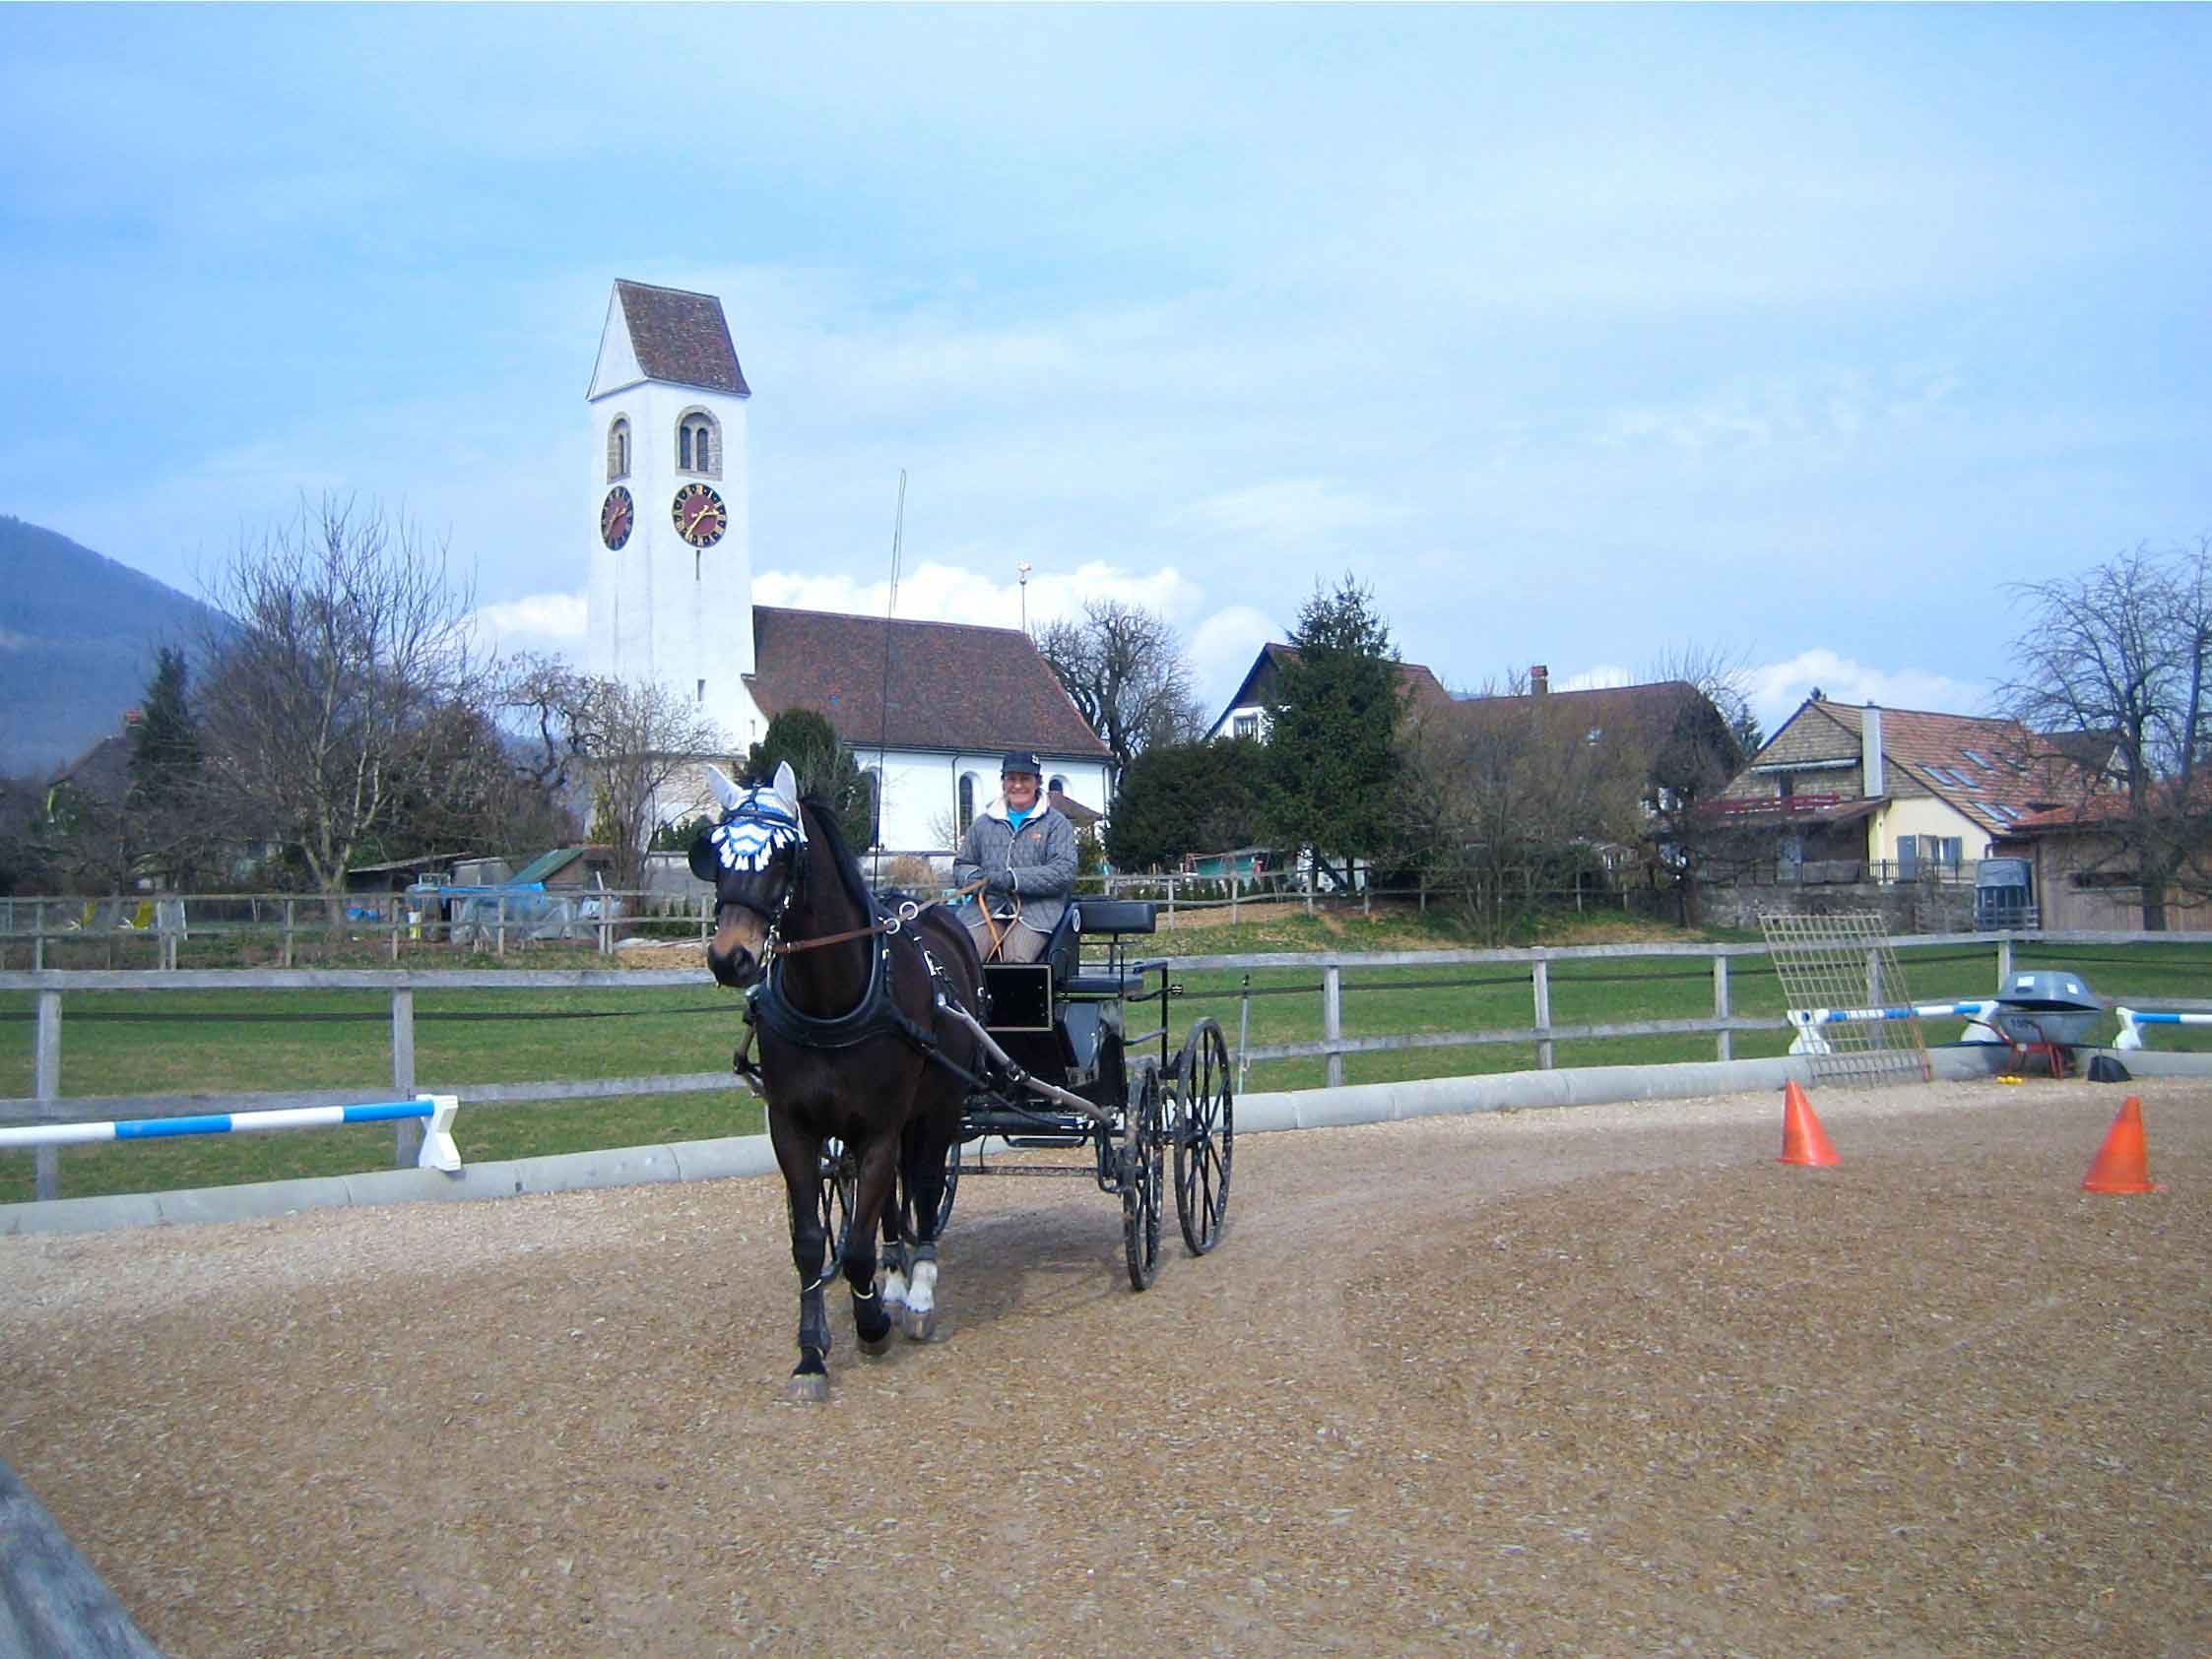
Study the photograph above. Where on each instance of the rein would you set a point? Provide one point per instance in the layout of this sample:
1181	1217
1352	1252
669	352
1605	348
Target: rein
906	913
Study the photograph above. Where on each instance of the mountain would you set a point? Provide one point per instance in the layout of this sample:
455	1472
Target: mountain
78	637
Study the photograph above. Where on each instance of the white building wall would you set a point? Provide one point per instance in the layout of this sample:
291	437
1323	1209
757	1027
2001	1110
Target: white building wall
659	609
922	790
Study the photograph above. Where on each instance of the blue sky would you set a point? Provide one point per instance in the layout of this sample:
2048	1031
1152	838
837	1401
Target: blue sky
1584	335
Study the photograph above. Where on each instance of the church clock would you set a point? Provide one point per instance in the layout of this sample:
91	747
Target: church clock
615	515
700	517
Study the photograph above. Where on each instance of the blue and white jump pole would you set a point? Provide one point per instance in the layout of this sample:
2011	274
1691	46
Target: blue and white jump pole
439	1151
2132	1020
1809	1021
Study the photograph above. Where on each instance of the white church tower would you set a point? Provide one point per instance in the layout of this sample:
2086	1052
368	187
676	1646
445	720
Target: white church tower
671	596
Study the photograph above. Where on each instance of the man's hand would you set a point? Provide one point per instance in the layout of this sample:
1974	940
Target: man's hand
999	883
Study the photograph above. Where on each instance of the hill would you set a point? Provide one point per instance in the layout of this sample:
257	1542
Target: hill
78	637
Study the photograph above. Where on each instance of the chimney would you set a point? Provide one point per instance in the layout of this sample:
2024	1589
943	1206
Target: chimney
1540	679
1870	752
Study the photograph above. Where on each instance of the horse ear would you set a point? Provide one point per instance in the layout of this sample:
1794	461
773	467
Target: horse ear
704	861
787	783
725	790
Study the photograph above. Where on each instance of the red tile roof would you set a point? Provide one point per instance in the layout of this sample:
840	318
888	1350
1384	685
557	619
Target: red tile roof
682	337
952	687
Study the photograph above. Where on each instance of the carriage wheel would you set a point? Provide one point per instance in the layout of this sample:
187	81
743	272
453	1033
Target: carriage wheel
1143	1171
1205	1136
839	1181
952	1186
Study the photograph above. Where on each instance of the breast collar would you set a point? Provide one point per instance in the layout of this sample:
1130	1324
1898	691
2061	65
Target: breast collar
876	1014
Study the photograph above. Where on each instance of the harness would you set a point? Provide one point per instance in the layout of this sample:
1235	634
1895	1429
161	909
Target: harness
750	836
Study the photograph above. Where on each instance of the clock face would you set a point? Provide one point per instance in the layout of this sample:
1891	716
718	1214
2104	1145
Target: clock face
615	515
700	517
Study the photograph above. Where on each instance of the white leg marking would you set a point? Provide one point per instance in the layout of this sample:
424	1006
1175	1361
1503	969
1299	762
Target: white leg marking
893	1284
922	1296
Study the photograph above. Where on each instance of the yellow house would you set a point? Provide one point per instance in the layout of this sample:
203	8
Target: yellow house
1903	794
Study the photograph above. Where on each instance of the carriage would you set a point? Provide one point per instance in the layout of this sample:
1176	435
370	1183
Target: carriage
893	1065
1070	1074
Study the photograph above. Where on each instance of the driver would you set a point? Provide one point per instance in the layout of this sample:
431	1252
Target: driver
1022	848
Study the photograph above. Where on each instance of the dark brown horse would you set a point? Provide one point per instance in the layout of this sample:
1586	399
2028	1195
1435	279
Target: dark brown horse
851	1049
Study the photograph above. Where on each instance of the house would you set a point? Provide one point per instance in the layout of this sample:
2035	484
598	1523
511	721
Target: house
2085	879
927	708
1247	713
1842	792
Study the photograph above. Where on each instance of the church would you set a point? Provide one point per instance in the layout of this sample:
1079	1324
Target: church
927	708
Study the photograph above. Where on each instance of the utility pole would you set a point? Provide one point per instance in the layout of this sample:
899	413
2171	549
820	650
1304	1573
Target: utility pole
1023	572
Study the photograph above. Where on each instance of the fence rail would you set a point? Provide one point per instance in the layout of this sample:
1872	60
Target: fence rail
1337	970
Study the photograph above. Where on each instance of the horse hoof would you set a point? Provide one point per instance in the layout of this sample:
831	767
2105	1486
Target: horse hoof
876	1347
810	1390
919	1327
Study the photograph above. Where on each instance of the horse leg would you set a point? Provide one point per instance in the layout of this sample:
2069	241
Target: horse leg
924	1185
799	1155
879	1168
892	1280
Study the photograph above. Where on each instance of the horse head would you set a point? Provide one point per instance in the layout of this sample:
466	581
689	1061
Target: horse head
754	860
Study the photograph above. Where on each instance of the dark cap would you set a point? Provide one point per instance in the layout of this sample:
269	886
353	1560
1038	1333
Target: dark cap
1019	760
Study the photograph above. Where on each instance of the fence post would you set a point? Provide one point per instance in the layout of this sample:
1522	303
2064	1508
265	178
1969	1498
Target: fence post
392	913
500	948
38	937
289	903
1542	978
406	1143
1244	1033
1171	901
1309	889
2004	961
46	1164
1726	1039
1332	1018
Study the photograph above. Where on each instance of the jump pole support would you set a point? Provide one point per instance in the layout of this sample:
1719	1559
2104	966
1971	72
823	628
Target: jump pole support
2132	1021
439	1151
1809	1021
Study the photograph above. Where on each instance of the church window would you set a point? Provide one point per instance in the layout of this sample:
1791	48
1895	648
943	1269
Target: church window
618	449
967	800
699	444
1057	786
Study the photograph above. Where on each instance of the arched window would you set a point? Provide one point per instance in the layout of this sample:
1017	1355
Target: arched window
699	444
967	801
618	449
1056	785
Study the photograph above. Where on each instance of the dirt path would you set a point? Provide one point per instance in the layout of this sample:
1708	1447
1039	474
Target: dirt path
1600	1380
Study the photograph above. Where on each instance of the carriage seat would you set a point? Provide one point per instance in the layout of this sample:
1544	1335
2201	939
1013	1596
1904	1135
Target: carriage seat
1096	916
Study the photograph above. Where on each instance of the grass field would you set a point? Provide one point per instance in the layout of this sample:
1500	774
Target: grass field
127	1043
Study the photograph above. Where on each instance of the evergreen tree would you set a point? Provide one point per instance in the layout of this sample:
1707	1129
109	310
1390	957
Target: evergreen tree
824	768
1187	797
1333	731
166	791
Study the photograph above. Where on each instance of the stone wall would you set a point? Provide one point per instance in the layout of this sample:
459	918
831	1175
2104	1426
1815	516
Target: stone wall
1908	907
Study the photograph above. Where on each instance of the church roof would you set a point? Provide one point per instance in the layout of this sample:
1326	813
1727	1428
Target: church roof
952	687
682	337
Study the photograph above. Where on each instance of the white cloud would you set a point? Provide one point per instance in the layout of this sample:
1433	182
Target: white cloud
550	622
1287	512
1222	647
950	592
1777	688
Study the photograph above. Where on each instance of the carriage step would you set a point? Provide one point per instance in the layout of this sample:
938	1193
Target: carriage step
1086	1171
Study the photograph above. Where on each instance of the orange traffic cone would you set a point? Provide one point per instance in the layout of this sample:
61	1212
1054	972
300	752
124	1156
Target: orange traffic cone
1804	1141
2123	1164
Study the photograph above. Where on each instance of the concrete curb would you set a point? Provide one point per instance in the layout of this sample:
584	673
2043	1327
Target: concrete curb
751	1155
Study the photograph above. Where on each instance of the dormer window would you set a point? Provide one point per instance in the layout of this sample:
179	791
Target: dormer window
618	449
699	444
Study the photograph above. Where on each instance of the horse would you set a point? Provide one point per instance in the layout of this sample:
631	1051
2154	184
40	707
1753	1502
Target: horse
851	1049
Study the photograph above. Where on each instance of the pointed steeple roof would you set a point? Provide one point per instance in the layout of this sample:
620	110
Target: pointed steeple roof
669	335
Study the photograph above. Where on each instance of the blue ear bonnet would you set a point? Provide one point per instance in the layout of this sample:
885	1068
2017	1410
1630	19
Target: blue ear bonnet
754	831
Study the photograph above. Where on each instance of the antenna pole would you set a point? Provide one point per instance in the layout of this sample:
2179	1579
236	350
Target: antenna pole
883	729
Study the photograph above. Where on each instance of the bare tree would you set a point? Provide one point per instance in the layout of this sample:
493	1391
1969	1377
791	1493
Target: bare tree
343	639
1125	671
2111	674
631	741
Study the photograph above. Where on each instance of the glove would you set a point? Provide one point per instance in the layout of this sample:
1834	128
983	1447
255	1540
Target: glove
998	883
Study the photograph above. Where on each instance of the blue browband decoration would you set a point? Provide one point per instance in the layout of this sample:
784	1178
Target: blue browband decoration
755	830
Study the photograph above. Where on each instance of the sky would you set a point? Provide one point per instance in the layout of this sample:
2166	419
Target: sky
1787	338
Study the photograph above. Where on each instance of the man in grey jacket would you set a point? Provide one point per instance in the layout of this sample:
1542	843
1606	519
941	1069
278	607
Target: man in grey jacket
1023	851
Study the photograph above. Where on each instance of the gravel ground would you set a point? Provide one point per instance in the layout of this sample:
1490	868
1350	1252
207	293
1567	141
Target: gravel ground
1604	1379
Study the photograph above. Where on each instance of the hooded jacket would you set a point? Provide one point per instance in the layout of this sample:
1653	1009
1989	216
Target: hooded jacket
1039	858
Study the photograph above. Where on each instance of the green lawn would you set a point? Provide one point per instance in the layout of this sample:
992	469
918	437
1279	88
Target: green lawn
127	1043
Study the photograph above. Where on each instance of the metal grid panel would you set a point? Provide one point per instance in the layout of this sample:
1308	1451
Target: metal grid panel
1845	961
